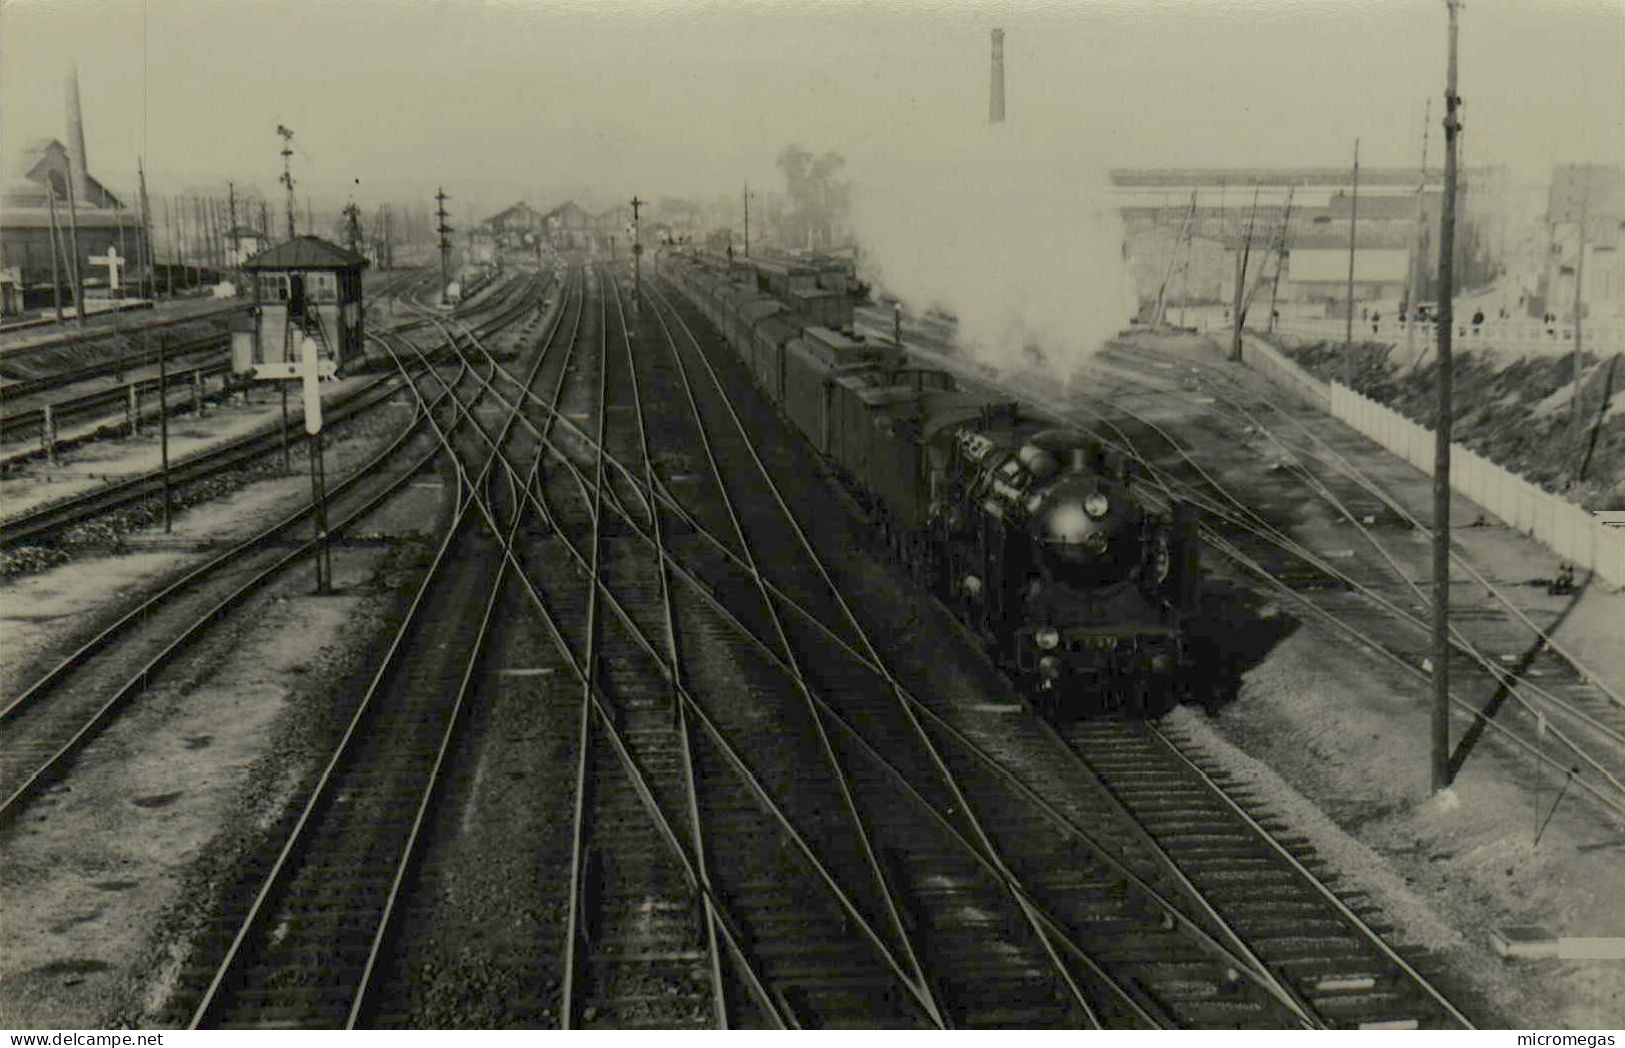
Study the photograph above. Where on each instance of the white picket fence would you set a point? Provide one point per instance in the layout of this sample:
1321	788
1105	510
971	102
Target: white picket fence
1572	532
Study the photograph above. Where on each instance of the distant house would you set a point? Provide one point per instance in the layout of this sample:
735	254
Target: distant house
11	293
1595	192
570	226
514	227
242	244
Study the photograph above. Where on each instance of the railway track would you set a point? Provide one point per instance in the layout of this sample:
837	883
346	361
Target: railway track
121	402
49	722
191	363
1373	1007
300	943
1388	609
205	347
53	519
1373	512
1268	885
115	329
1361	604
726	694
869	992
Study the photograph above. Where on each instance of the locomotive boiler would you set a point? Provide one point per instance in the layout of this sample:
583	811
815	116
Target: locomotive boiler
1030	534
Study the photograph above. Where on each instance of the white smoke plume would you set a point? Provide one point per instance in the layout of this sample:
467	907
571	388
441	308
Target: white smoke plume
1010	227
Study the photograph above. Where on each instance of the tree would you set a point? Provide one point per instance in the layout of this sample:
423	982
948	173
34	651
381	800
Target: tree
818	198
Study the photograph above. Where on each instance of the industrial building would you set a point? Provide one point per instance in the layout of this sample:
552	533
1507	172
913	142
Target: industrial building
1592	194
88	223
1185	228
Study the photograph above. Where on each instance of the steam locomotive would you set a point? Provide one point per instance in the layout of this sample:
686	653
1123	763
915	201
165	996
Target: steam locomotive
1028	532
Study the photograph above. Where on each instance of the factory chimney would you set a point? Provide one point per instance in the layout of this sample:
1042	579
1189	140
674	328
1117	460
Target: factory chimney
76	133
995	102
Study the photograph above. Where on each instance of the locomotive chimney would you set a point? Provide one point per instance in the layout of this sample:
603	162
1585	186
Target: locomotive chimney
995	102
76	133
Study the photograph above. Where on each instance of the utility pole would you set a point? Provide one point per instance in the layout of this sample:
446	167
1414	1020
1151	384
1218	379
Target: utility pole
1441	432
445	245
169	269
287	172
747	219
1283	248
236	238
1161	306
1354	218
1412	283
1579	311
1241	281
637	257
144	241
1185	265
56	248
73	242
163	357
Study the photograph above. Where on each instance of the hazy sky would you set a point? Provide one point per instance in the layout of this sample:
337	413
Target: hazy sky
499	100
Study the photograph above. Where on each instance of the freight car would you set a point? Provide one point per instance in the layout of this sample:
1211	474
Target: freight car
1030	534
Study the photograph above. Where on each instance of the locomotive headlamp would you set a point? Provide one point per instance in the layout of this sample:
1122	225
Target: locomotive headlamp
1050	667
972	585
1048	637
1162	663
1096	505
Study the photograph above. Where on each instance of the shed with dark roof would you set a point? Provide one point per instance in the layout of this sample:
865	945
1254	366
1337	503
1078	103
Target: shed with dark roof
307	287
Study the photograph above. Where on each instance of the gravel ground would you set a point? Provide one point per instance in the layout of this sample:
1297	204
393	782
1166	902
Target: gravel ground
107	878
346	444
1338	745
1338	742
489	909
90	465
99	874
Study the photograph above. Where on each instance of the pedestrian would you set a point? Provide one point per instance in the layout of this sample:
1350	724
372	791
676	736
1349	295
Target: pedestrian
1375	319
1478	320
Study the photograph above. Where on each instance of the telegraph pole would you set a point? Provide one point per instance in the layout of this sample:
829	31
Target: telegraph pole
56	248
73	242
1441	432
163	357
445	245
1161	307
1282	250
747	219
1354	216
637	256
287	173
1412	284
1241	280
1579	310
236	240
